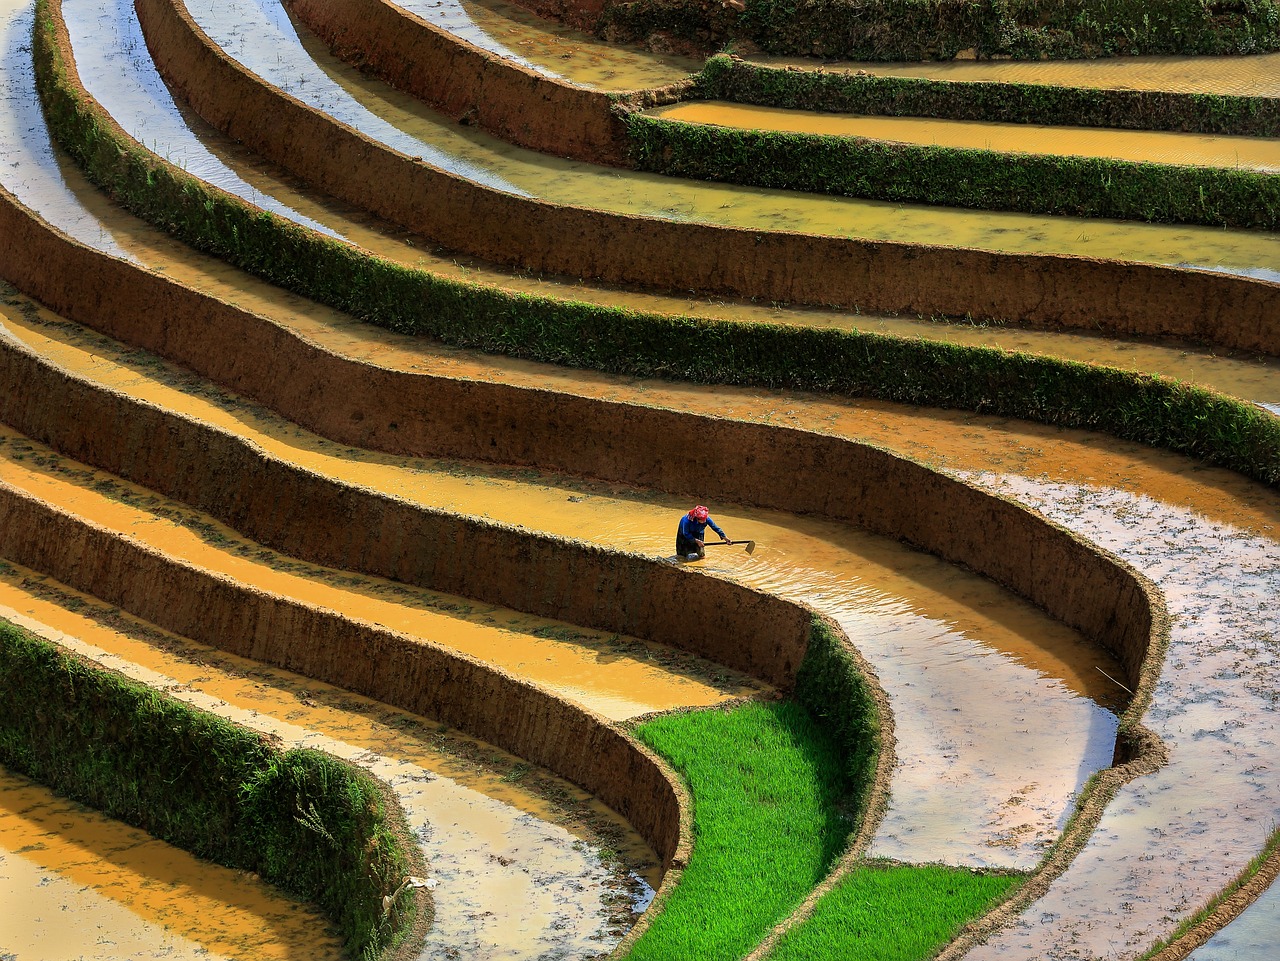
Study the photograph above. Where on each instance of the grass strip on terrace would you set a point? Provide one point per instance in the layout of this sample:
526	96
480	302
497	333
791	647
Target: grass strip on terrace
893	913
767	784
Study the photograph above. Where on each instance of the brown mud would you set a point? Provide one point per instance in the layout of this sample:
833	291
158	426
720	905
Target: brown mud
1139	146
627	249
911	612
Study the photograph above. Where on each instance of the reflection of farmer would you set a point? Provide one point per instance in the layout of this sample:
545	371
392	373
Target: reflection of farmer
689	534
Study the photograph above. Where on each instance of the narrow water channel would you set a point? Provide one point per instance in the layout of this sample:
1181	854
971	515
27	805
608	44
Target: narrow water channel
1244	76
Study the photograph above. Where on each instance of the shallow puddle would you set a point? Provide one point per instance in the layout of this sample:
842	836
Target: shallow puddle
78	886
1200	150
513	850
1251	76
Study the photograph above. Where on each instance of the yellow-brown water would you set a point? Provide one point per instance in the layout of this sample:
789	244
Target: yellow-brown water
1201	150
1031	454
627	682
1255	76
512	850
78	885
911	613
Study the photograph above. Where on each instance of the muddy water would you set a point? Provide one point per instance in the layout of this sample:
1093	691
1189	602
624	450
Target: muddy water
551	49
79	886
268	46
618	677
1255	76
947	644
1249	153
516	875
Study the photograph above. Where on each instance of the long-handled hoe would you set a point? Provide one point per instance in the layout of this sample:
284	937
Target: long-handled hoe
750	545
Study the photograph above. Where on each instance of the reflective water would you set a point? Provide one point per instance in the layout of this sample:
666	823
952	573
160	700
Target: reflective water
965	664
267	45
551	49
78	886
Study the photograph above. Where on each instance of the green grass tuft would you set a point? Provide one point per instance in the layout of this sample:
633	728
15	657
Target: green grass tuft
898	913
766	781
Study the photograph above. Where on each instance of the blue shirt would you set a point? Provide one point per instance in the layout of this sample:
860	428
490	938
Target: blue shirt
694	530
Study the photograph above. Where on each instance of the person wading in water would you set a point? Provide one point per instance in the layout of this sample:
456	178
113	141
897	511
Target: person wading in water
689	535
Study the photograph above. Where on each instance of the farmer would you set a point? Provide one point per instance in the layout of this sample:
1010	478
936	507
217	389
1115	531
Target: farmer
689	534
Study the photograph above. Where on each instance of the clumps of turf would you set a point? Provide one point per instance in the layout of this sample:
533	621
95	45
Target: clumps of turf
767	784
894	913
305	821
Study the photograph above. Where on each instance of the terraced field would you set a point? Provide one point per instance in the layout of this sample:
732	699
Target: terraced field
359	418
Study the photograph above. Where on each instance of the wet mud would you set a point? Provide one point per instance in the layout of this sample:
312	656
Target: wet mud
967	633
1139	146
1080	476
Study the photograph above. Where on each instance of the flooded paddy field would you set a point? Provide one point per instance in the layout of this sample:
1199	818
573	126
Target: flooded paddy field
514	853
1001	713
268	44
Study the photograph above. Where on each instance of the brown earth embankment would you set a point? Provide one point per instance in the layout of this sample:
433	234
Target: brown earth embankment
354	528
1048	290
427	415
408	673
469	84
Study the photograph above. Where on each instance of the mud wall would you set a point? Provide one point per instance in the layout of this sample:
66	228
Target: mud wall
368	406
466	83
407	673
880	277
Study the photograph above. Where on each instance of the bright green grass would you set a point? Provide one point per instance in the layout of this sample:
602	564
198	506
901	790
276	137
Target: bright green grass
897	913
766	785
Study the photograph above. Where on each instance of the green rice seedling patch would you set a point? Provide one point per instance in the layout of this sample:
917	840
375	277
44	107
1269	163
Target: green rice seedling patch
894	913
767	786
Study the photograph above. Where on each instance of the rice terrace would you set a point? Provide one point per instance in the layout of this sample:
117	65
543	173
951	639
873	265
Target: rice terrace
640	479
